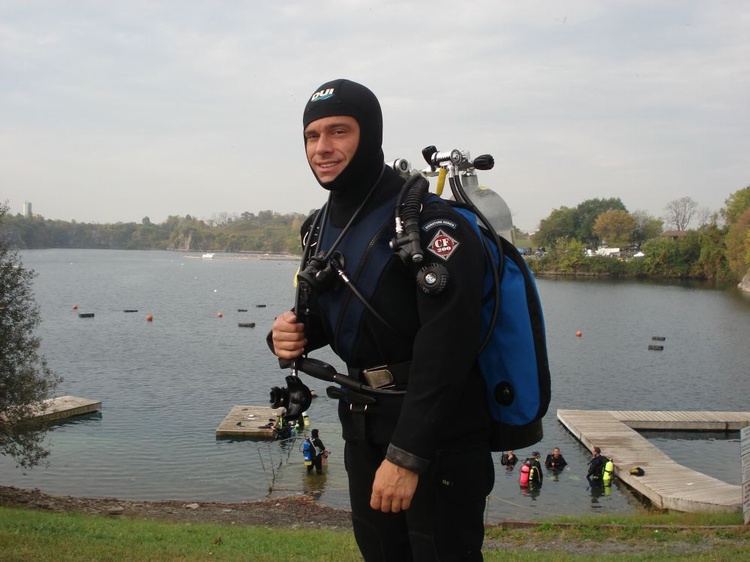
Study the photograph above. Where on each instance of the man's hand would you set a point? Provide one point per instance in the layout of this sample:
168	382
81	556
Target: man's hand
393	488
288	336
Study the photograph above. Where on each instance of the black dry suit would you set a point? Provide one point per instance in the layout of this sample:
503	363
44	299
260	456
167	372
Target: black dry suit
429	342
439	334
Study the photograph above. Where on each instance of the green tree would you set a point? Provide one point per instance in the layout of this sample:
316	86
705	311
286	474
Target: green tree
661	254
646	227
575	223
736	204
561	223
737	242
567	255
737	239
669	258
25	378
615	227
586	214
712	260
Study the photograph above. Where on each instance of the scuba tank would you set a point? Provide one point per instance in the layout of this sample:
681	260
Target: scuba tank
608	472
308	451
523	480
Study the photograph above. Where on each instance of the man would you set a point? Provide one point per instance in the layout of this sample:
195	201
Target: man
555	461
417	480
320	451
596	465
536	476
508	460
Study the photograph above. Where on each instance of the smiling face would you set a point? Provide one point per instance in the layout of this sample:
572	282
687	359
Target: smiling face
330	143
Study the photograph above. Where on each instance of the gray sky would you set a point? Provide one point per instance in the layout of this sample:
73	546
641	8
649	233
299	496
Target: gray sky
114	111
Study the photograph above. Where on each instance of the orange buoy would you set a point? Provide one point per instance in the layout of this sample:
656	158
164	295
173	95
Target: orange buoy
149	318
579	333
75	307
220	315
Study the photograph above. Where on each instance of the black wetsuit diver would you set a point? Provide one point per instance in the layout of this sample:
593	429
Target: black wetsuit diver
440	428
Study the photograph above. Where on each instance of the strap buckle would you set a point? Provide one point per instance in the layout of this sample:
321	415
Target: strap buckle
378	377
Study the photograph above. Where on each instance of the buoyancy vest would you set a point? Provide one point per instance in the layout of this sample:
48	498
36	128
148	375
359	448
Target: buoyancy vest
607	472
514	364
366	251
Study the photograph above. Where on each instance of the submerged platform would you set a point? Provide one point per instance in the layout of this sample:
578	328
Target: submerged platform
667	484
64	407
248	421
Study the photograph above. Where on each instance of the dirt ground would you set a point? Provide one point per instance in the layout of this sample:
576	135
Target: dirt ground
292	512
305	512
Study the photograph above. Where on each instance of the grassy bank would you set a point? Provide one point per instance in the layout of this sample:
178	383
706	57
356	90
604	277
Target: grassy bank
33	535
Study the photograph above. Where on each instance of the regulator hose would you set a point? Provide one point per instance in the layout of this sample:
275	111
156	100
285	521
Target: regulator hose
407	243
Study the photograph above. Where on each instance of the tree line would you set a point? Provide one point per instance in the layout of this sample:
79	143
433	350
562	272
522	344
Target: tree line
266	232
718	249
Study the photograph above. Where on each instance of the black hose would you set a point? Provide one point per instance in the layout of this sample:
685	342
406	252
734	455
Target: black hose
408	244
460	194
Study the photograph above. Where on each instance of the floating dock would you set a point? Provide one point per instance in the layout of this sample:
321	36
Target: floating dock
248	421
64	407
667	484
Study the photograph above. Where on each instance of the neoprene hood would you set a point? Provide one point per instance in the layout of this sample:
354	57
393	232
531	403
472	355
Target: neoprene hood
344	97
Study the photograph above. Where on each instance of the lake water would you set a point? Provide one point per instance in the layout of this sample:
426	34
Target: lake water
166	385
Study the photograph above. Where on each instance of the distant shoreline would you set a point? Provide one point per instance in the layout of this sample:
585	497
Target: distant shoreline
239	256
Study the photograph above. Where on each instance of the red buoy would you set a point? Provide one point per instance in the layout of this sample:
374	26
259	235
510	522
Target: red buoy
579	333
149	318
75	307
220	315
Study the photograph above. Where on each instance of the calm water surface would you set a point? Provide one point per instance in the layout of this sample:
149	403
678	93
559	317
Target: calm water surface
166	385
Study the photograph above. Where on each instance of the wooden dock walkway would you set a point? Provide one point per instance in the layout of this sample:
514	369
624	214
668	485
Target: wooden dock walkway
667	484
248	421
64	407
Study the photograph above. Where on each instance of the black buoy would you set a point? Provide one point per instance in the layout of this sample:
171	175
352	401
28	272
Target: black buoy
656	347
658	338
242	310
260	305
130	310
246	324
86	315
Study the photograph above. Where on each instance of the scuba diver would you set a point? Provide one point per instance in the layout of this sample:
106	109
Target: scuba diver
417	482
508	460
319	451
555	461
596	465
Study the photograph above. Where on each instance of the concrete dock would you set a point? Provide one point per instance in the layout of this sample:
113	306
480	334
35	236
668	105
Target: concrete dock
667	484
248	421
64	407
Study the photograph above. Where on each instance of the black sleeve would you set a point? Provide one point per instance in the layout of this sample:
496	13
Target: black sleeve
443	377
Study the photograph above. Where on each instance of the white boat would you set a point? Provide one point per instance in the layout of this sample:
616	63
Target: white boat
207	256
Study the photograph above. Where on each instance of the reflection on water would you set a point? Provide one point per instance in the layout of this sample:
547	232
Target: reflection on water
166	385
